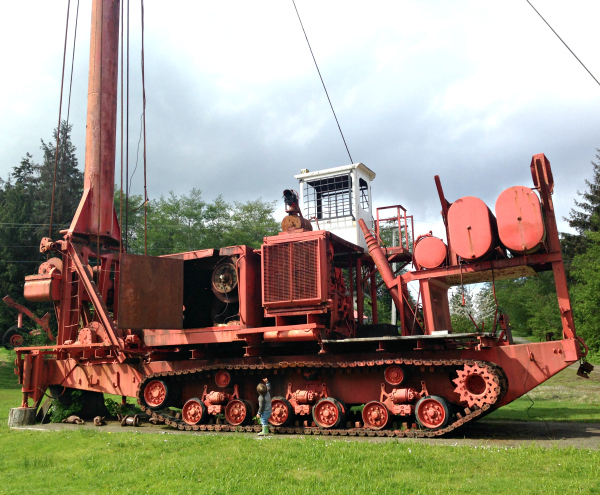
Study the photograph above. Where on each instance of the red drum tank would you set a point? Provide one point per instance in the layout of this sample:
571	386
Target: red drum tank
520	222
429	251
471	229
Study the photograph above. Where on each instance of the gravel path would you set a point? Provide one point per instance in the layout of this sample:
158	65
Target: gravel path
480	433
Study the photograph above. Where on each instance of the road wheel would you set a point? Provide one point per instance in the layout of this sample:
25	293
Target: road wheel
194	412
238	412
282	412
328	413
432	412
13	337
375	415
156	394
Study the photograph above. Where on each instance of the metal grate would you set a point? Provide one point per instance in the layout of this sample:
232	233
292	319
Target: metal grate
277	273
327	198
291	271
305	269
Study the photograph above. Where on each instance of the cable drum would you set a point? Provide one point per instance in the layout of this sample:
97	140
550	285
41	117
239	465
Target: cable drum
225	281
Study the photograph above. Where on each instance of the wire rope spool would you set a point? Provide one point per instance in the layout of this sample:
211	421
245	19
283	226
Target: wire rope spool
375	415
328	413
225	281
156	394
432	412
282	412
194	412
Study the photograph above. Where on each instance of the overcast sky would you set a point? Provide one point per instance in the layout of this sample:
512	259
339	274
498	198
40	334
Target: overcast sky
469	90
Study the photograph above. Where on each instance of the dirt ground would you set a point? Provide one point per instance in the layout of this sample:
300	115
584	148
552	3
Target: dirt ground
481	433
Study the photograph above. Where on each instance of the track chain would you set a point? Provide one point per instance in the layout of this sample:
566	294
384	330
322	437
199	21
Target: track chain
467	415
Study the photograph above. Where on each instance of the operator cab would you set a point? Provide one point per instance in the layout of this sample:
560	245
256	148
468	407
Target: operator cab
335	199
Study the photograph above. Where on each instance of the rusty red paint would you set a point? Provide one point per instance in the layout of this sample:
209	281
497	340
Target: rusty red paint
471	228
430	252
520	222
151	292
293	318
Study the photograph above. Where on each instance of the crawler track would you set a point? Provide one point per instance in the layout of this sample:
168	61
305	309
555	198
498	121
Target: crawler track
460	418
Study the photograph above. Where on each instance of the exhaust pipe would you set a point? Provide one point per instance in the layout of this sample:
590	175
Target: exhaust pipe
383	266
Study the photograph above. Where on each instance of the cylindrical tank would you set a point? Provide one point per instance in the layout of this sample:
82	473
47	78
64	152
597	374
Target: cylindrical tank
520	221
471	228
429	251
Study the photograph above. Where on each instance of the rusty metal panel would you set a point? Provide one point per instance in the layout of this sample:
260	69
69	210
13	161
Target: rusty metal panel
150	292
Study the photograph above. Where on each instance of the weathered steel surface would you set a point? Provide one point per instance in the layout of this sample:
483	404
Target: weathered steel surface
101	126
151	292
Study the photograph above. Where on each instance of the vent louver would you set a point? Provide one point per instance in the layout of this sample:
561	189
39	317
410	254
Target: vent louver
291	272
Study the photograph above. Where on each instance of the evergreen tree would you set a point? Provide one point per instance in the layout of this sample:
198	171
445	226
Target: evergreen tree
586	292
25	199
586	218
69	181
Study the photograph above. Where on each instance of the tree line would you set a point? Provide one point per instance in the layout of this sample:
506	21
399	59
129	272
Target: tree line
176	223
186	222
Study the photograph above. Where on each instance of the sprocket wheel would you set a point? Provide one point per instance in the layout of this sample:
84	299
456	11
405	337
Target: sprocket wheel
477	385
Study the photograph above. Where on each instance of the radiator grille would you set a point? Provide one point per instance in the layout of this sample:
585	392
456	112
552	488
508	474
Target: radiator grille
291	271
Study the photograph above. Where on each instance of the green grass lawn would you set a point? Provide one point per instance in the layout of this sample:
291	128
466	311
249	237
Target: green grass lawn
84	461
564	397
97	462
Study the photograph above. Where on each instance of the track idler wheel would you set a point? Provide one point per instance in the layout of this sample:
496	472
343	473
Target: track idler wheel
375	415
194	412
282	412
328	413
238	412
477	385
156	394
432	412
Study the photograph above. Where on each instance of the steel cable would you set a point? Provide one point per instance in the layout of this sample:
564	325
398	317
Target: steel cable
62	81
322	82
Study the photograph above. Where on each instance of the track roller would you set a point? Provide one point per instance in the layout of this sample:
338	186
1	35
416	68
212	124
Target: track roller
432	412
156	394
194	412
238	412
375	415
328	413
282	412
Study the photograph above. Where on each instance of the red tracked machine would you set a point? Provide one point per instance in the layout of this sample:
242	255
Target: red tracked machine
196	331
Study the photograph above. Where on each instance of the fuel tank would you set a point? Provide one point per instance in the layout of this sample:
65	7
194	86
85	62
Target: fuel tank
472	229
520	222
